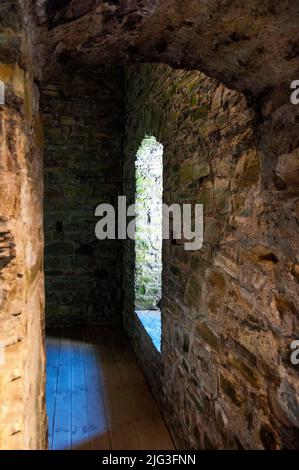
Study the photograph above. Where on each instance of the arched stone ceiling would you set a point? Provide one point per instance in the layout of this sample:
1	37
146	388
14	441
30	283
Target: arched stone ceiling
249	45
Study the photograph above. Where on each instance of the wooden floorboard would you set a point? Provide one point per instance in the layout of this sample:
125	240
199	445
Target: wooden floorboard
80	425
98	426
53	348
97	396
62	419
153	434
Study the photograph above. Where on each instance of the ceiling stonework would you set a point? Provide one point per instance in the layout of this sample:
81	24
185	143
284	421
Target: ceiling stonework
250	45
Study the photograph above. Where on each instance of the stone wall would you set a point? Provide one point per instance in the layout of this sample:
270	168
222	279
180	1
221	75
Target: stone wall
22	367
83	139
229	311
248	45
148	244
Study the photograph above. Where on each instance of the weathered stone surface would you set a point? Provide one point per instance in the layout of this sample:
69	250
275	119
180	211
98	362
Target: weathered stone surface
22	375
248	46
228	311
82	167
287	168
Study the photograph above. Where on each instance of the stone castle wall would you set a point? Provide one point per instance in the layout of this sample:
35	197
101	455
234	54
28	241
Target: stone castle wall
229	311
22	365
82	161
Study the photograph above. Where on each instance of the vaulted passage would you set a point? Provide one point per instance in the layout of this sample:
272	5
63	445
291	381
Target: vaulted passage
124	338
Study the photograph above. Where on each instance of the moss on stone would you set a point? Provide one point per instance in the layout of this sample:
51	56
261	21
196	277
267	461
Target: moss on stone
200	112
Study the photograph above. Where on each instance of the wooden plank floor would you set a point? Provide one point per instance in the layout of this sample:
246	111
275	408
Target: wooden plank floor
97	396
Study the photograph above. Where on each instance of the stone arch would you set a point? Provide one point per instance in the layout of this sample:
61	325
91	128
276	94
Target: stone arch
247	46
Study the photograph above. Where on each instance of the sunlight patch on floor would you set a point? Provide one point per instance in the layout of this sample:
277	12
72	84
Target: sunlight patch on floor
151	321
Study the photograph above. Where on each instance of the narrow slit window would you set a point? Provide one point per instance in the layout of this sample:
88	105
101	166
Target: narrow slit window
148	243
